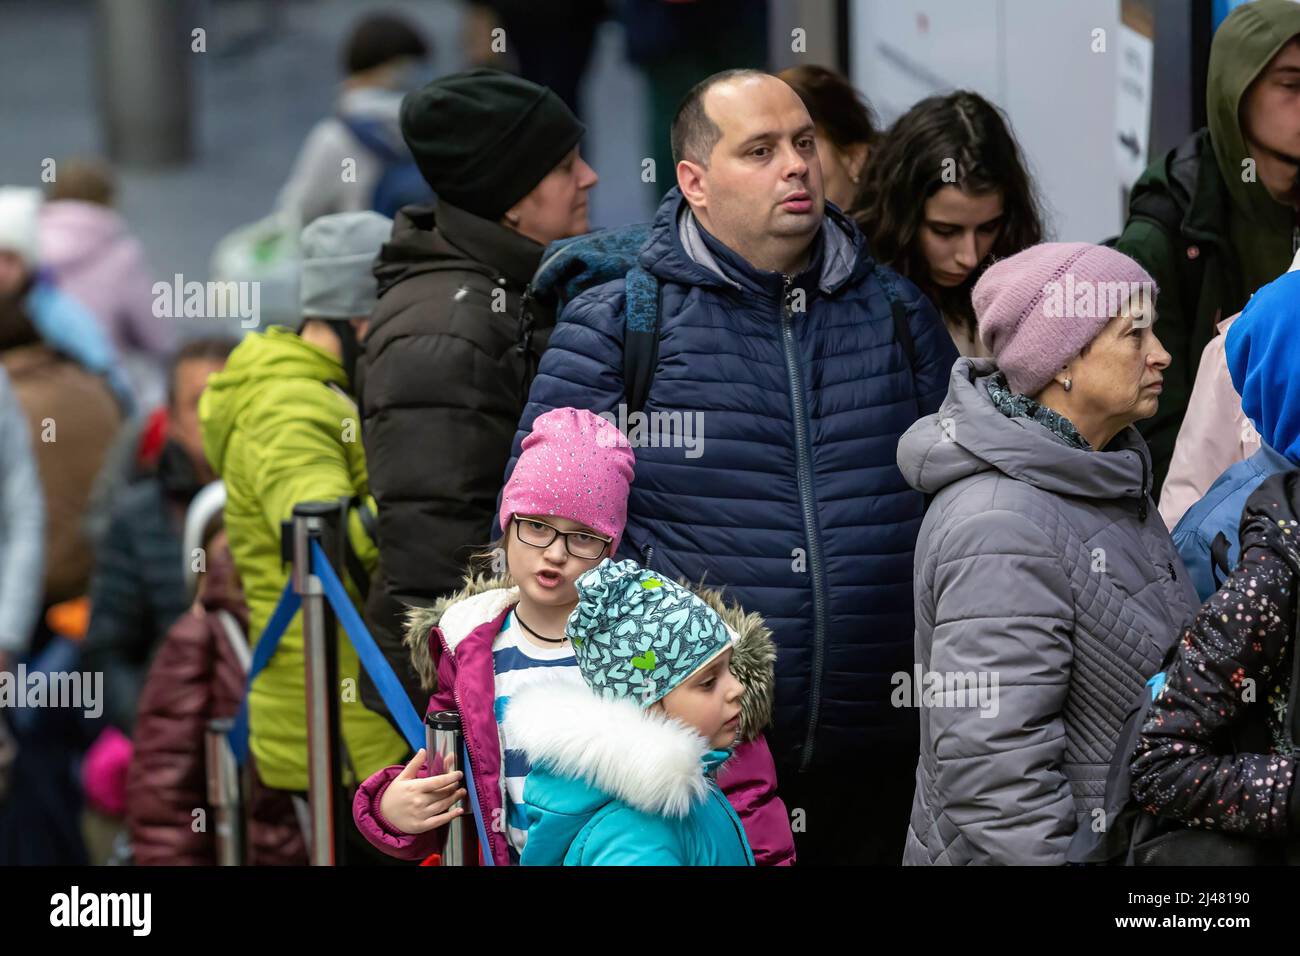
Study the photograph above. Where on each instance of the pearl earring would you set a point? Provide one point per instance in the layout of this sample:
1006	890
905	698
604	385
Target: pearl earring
1067	384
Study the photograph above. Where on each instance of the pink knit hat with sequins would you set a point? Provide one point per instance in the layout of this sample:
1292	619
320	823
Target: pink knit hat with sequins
573	465
1036	310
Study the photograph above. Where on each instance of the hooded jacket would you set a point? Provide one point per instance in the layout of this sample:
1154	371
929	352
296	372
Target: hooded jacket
315	187
614	784
451	648
1232	233
95	259
1046	568
793	501
441	385
275	422
1259	359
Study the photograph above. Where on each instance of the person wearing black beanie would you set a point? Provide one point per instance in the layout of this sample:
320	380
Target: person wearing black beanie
483	139
453	342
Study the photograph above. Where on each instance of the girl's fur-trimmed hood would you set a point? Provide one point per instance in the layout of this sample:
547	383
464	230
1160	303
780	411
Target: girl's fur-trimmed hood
482	598
643	758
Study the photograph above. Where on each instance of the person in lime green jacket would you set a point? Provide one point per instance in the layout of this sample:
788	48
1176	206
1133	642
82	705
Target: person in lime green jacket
280	427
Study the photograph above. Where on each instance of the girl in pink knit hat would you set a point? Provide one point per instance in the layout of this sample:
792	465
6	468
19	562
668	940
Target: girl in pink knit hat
562	513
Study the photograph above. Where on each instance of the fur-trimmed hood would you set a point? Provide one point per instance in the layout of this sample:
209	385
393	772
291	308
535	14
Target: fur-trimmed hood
483	598
640	757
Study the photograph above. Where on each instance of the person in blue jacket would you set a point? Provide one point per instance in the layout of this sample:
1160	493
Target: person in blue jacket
623	771
1262	350
802	361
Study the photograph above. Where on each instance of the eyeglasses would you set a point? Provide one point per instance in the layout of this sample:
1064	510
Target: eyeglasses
539	534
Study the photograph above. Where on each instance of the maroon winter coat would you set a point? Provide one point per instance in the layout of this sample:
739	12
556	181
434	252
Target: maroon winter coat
195	676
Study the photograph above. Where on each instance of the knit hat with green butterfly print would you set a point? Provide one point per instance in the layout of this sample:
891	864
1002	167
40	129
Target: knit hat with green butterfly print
637	634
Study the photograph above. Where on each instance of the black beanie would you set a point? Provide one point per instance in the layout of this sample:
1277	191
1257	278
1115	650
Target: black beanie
483	139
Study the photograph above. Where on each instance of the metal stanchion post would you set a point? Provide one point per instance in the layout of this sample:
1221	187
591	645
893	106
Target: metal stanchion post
318	521
224	792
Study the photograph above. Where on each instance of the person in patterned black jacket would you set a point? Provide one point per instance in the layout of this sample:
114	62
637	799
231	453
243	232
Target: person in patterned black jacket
1233	666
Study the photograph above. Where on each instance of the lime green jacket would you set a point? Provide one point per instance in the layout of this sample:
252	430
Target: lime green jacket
279	428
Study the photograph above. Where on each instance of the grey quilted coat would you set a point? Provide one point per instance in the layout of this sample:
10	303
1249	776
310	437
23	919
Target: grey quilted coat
1046	568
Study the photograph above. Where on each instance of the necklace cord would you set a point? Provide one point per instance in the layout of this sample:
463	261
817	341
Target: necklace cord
548	640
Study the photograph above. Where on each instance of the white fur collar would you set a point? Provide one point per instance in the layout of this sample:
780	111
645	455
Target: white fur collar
463	617
648	761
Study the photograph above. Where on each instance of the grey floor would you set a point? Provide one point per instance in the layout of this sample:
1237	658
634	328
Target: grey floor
257	93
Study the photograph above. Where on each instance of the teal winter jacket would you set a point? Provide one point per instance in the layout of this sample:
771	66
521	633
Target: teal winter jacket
612	784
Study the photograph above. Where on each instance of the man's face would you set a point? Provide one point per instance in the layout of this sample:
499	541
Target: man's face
1270	110
763	180
191	379
13	273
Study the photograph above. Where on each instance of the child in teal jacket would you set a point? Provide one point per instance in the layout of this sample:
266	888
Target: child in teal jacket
624	770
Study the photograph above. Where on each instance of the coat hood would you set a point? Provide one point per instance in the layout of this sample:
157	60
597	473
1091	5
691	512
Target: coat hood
378	107
261	360
440	237
484	598
1245	43
74	232
968	435
676	252
616	749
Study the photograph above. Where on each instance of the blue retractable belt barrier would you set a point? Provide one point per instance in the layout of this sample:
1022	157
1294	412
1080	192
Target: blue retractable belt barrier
484	847
284	613
372	659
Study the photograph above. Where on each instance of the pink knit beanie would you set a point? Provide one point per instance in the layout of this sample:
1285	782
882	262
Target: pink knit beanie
1036	310
573	465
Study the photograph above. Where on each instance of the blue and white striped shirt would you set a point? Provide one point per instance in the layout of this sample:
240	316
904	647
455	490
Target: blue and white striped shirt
518	662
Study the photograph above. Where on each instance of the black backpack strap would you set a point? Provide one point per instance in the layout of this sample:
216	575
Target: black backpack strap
902	329
1219	567
644	301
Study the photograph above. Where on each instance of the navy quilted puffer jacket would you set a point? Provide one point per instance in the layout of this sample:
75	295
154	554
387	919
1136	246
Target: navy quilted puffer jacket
793	501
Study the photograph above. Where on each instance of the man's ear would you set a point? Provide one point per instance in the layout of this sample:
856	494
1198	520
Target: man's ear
690	180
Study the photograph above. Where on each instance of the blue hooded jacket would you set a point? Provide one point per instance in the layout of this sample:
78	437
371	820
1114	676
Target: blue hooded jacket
1261	350
612	784
793	500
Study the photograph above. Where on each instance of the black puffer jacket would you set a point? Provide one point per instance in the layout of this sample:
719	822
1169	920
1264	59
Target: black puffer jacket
442	383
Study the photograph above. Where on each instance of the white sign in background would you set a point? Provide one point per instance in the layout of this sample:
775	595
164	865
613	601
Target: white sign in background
1133	104
1033	58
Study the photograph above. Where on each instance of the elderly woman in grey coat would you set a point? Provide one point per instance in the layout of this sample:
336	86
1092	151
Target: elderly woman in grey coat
1047	589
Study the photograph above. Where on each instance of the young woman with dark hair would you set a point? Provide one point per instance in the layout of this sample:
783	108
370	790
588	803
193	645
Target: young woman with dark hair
945	195
846	128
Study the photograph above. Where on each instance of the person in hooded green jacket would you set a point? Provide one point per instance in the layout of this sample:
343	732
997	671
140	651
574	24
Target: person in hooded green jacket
280	427
1216	218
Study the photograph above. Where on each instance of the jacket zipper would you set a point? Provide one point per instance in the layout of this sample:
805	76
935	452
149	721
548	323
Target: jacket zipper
474	764
716	792
804	465
1142	501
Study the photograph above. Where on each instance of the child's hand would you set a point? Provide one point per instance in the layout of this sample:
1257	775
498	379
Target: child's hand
415	804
